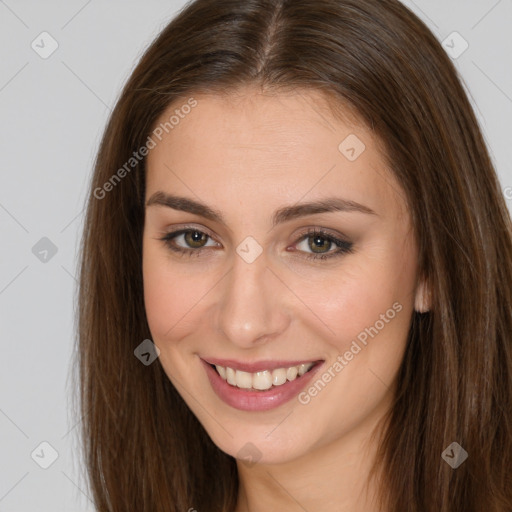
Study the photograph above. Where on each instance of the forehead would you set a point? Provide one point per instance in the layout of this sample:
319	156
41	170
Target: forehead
250	146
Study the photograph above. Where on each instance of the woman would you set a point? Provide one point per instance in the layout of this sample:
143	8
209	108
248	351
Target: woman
296	272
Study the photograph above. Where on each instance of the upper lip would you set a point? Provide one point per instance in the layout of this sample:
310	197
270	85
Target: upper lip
256	366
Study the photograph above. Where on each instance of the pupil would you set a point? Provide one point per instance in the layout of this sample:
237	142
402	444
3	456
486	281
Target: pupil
195	238
320	243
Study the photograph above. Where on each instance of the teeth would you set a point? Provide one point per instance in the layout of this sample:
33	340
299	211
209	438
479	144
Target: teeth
221	370
291	373
231	376
303	368
279	376
262	380
243	380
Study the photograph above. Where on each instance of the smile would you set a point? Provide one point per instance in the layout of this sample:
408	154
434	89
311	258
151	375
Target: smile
262	380
267	386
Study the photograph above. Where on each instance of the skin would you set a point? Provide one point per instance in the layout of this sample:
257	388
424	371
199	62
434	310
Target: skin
246	155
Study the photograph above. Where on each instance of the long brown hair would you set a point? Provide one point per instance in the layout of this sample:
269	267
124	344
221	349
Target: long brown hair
144	449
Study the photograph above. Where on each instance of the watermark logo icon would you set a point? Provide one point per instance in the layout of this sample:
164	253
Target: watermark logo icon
454	455
249	249
44	455
146	352
249	454
351	147
44	45
455	45
44	250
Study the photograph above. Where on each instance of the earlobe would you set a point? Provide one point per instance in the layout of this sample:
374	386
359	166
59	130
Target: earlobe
423	298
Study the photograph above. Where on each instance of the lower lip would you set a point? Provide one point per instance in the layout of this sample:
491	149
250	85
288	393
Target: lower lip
257	400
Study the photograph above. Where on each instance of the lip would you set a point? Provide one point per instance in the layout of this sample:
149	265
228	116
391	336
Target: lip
257	400
257	366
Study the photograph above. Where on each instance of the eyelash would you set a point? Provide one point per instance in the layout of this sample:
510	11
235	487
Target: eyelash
344	247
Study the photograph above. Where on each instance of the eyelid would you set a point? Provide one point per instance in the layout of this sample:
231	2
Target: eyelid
307	230
189	227
311	230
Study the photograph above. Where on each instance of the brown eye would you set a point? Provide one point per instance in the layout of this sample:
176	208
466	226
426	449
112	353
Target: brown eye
319	244
195	239
188	241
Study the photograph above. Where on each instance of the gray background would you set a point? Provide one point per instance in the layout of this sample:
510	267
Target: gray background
53	112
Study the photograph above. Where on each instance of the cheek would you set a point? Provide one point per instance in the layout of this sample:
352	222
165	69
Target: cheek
367	310
169	297
176	296
349	301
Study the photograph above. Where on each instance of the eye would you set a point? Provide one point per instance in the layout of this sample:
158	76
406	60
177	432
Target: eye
314	244
322	244
188	241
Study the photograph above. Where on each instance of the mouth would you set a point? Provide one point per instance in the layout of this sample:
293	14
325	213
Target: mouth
262	380
268	385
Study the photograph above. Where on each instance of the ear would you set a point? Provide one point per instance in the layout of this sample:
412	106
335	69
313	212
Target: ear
423	297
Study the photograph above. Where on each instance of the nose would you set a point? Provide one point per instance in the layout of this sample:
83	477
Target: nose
252	309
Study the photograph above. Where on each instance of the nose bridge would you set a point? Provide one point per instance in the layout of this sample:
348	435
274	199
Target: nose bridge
249	309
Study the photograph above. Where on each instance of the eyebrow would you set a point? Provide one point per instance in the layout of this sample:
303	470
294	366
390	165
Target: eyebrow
284	214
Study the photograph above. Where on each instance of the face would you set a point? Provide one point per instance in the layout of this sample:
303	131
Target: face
279	269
